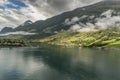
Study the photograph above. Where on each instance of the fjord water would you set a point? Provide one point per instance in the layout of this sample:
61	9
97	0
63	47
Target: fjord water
59	63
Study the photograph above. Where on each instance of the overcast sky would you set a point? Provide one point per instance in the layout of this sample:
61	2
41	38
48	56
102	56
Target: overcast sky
15	12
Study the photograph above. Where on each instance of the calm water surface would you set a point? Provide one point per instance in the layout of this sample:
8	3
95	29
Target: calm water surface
58	63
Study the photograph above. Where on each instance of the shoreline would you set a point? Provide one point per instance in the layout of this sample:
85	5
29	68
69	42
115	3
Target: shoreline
72	46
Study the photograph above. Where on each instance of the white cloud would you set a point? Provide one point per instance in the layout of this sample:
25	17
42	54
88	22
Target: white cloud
2	2
108	21
32	13
17	33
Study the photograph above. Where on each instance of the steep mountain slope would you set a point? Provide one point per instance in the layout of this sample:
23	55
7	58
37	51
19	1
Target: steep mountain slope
83	15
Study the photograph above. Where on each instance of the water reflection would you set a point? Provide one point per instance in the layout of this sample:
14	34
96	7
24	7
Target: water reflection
58	63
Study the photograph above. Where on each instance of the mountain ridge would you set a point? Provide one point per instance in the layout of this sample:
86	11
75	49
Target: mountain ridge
57	23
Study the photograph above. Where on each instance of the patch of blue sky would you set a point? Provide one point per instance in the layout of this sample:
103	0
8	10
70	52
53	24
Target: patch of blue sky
18	3
12	6
1	7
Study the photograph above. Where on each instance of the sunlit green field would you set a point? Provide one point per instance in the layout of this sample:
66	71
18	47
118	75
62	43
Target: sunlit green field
102	38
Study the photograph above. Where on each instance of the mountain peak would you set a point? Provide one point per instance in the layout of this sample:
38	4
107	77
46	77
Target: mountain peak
28	22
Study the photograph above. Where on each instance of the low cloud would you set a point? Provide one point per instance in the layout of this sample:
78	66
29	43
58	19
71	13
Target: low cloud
105	21
17	33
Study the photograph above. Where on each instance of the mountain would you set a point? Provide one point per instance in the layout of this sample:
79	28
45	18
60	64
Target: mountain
82	16
19	28
57	23
25	25
6	30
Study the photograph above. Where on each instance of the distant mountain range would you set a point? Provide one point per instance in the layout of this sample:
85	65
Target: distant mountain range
81	16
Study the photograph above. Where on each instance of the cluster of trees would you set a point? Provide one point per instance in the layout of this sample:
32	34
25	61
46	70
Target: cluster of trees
12	43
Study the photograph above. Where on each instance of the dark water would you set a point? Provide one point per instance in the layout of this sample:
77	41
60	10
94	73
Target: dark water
57	63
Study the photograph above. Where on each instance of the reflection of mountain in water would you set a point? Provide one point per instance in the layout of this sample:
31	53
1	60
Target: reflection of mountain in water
75	64
62	64
59	63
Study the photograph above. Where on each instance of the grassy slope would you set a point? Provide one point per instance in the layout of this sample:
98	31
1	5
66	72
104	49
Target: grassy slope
103	38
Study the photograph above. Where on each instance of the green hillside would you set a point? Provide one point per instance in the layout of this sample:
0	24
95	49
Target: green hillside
102	38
